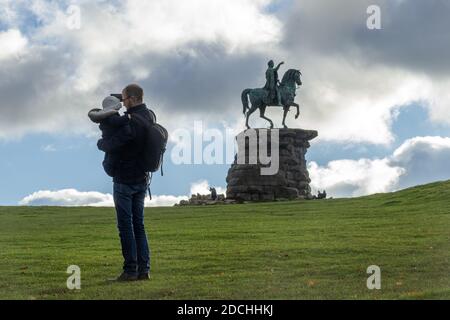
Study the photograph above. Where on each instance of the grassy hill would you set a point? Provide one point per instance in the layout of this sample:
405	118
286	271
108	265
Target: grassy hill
279	250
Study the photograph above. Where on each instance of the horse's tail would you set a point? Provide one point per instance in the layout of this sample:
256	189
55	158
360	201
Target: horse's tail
244	98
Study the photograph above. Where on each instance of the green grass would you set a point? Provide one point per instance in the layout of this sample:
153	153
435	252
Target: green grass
277	250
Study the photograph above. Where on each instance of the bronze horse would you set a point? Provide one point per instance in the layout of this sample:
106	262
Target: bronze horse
259	97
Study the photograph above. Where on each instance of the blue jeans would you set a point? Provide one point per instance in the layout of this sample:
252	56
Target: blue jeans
129	203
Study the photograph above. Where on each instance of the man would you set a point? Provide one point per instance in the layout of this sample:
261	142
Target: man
213	193
130	184
272	82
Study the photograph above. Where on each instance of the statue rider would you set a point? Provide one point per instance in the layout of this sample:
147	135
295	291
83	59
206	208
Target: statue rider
272	82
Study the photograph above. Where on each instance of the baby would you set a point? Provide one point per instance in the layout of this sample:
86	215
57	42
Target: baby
111	124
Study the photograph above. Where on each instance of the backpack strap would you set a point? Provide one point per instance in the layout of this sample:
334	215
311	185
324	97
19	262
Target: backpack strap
140	119
152	115
150	175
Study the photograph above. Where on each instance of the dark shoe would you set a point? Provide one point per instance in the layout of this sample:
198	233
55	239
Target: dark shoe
143	276
127	277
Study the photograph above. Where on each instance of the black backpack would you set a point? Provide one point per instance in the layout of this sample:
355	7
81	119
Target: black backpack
155	142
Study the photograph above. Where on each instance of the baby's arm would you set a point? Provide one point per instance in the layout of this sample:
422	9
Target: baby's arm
98	115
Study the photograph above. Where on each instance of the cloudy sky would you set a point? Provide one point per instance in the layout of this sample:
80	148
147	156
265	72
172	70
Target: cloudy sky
378	97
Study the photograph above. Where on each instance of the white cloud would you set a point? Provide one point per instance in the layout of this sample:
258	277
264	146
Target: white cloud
428	145
116	44
163	200
12	44
73	197
67	197
351	104
424	159
417	161
438	101
343	178
168	24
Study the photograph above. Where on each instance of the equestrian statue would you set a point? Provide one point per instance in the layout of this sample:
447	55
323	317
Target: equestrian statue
274	93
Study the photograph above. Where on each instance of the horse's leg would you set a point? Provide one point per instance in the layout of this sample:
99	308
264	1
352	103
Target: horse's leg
249	112
286	109
298	109
262	110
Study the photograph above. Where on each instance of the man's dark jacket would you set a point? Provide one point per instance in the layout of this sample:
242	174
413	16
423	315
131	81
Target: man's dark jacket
128	148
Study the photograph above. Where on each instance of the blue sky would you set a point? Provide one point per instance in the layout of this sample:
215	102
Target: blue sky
379	102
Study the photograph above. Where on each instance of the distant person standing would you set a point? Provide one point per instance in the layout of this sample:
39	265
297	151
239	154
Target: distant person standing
213	193
130	184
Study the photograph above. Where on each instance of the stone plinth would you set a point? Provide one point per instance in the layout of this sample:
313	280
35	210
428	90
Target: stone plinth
245	180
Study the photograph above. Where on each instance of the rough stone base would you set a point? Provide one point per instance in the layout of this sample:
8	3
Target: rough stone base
245	181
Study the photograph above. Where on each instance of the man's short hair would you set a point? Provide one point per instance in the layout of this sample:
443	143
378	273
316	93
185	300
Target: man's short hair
133	90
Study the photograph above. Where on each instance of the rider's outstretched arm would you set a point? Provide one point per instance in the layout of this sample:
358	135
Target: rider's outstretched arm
278	66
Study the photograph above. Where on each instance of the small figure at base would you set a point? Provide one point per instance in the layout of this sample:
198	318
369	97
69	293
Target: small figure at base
213	193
